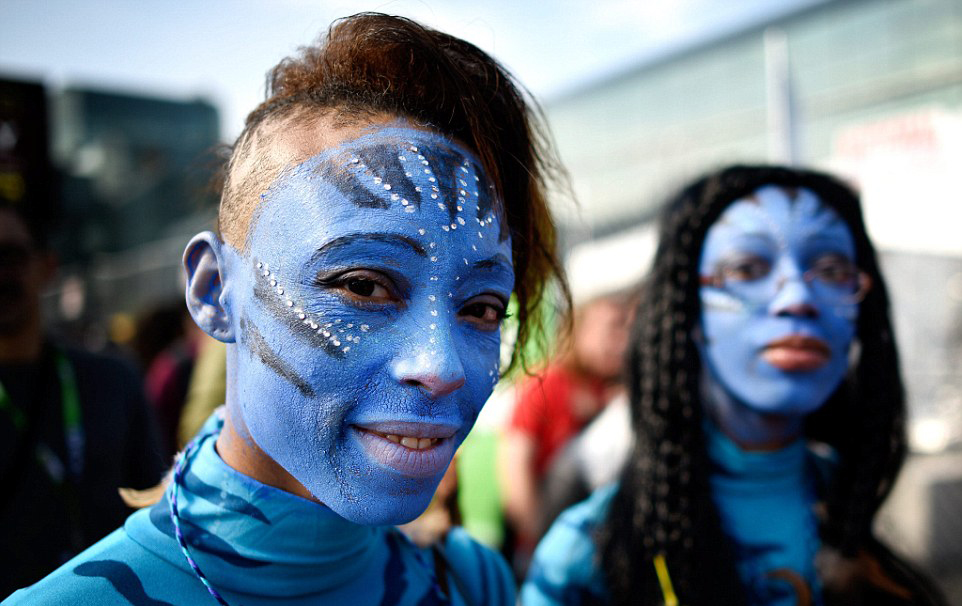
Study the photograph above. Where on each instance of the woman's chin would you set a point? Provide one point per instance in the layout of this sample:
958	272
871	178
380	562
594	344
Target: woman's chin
398	505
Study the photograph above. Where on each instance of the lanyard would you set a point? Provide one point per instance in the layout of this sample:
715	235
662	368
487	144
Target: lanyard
74	436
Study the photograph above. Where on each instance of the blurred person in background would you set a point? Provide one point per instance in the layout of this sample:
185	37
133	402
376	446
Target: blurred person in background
768	414
74	426
552	407
167	341
381	207
206	390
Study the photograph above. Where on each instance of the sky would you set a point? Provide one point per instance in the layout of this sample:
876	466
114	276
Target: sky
220	50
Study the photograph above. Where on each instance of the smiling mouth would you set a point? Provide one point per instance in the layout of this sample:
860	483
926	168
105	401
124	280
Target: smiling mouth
412	442
797	353
412	449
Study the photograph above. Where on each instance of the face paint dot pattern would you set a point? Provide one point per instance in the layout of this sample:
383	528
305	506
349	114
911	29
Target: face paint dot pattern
445	245
378	180
310	322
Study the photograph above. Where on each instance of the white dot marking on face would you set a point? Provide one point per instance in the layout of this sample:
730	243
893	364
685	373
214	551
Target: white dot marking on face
422	231
434	312
432	298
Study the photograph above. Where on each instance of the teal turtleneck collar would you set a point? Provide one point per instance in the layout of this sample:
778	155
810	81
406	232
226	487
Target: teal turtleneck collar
766	504
251	538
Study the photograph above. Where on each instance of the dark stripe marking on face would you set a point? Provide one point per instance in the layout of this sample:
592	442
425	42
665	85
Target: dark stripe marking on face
361	173
288	317
255	342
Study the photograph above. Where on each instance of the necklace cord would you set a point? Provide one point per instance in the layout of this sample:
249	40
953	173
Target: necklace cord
179	468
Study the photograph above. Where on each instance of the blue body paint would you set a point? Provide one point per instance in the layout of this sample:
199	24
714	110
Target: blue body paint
776	344
367	308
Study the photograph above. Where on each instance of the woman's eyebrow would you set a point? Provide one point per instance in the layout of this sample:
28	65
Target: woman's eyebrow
495	261
350	239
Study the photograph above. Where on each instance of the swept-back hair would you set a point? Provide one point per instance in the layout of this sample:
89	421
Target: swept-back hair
664	505
370	64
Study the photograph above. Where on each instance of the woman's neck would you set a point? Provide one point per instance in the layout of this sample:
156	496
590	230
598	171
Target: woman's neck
750	429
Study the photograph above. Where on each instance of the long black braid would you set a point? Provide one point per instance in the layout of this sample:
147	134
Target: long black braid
664	507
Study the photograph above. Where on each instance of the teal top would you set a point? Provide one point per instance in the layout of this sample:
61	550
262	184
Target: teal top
260	545
766	504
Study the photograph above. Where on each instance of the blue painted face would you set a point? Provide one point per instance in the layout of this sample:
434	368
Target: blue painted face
779	300
368	307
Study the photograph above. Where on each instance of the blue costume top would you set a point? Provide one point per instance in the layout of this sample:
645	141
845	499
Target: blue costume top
260	545
765	501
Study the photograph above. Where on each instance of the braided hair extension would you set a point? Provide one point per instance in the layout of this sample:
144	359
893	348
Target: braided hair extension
664	505
370	64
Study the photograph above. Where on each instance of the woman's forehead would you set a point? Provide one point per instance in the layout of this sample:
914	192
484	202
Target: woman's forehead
384	180
779	209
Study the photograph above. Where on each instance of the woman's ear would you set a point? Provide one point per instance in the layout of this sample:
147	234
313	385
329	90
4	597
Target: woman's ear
207	280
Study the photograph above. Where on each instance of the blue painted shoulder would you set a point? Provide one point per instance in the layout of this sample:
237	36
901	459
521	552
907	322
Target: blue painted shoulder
565	567
478	570
116	570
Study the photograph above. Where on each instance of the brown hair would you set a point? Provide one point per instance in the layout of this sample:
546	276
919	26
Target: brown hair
370	64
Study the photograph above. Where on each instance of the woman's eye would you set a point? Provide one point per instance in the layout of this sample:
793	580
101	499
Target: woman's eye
747	269
486	314
361	286
364	288
833	269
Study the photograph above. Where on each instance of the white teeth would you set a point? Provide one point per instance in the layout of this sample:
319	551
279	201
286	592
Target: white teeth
410	441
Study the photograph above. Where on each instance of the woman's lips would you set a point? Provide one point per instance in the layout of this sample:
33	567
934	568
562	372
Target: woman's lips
413	449
797	353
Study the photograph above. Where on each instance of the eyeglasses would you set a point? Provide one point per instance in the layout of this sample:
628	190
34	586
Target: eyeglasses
832	279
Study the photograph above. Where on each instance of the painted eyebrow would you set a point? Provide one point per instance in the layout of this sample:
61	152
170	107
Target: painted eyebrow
494	261
348	239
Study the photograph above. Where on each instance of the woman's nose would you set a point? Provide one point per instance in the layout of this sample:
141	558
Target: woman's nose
794	295
430	361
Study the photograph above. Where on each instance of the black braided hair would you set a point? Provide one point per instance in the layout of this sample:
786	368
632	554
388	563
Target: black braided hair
663	505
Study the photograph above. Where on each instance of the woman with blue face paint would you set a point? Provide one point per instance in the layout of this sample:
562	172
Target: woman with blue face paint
380	209
767	411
